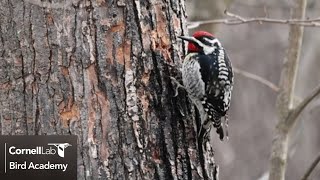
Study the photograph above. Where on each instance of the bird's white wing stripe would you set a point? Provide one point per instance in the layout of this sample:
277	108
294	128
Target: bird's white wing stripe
222	76
223	69
224	72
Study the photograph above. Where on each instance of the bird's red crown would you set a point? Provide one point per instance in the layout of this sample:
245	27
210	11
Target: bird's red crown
201	34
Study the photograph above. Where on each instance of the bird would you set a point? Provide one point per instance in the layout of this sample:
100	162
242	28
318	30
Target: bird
207	77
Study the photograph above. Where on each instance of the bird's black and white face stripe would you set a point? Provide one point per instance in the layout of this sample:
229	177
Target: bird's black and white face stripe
210	41
208	44
203	44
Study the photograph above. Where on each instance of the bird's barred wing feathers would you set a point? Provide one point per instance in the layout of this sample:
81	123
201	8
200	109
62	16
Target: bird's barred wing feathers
217	74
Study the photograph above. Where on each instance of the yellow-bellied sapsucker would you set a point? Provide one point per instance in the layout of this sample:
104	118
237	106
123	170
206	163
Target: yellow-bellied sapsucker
208	78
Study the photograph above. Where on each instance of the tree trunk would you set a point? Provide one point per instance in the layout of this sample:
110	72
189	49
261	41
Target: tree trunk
285	105
99	70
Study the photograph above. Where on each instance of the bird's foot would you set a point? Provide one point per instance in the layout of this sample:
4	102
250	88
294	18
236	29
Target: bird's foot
178	86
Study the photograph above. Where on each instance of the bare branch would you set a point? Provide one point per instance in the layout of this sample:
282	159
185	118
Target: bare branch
311	168
279	150
296	111
257	78
235	16
237	19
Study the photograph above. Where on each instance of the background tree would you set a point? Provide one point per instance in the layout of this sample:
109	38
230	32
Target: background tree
99	70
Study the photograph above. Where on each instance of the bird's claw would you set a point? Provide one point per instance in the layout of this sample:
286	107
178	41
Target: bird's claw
177	87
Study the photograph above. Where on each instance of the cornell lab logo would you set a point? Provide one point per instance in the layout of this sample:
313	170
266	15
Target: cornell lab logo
60	147
33	157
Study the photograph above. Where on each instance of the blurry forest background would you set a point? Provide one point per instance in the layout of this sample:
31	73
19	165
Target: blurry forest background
260	49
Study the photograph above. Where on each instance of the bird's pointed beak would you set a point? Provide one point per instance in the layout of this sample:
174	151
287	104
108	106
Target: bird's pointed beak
187	38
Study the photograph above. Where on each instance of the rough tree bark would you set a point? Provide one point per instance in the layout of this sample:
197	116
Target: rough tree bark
99	70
